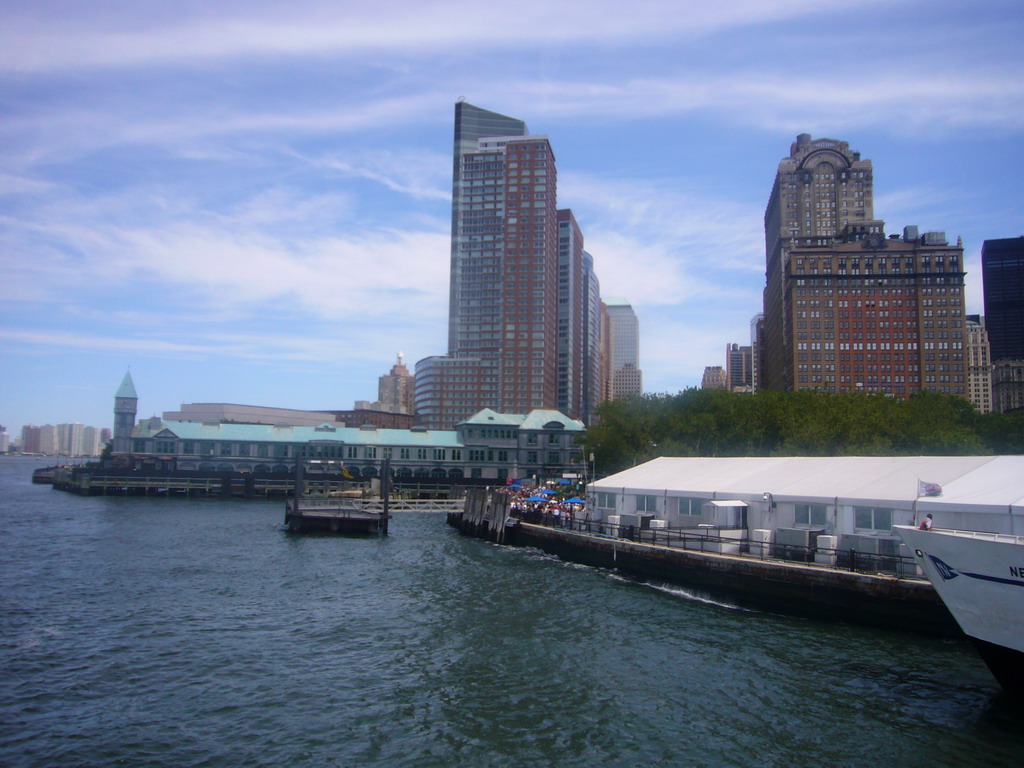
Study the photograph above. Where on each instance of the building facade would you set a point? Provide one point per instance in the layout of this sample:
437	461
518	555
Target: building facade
395	389
517	292
543	444
62	439
490	445
856	499
1007	385
739	368
620	338
592	344
572	329
714	378
846	308
1002	271
126	403
979	365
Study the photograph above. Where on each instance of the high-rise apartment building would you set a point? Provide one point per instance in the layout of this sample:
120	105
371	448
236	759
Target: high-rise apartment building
756	351
620	339
572	296
847	309
739	368
1002	273
508	281
395	389
592	341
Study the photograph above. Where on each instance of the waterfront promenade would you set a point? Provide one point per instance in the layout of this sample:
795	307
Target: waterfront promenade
874	591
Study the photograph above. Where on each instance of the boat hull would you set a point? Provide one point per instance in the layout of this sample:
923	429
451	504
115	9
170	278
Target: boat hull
980	578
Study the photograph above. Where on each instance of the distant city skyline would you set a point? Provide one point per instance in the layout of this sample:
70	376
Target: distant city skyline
252	203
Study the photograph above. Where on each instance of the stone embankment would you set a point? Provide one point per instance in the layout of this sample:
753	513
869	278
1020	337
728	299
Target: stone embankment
764	583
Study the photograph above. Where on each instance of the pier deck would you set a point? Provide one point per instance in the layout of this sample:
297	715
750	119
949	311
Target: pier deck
348	515
802	589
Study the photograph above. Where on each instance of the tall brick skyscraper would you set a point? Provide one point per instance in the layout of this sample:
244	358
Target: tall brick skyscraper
847	309
503	319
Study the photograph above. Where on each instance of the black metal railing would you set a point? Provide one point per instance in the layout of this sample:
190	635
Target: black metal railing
709	539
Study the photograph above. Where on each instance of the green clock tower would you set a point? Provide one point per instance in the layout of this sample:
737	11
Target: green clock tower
125	407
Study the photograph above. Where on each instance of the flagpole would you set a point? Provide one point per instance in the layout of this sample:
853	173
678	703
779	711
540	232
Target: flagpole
916	497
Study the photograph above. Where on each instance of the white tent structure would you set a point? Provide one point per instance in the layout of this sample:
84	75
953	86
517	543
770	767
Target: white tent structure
851	496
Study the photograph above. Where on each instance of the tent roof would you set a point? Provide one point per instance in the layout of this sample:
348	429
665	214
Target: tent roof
974	480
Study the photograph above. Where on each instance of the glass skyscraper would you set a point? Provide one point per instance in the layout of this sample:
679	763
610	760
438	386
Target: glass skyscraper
506	284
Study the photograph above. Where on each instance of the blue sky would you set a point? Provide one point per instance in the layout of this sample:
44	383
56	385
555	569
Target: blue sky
250	201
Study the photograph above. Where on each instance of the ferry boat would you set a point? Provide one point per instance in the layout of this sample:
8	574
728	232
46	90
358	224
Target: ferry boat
980	578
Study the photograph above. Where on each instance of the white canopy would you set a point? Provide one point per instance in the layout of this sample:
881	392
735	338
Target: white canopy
993	482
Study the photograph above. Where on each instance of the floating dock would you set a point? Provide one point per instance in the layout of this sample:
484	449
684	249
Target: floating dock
335	515
351	515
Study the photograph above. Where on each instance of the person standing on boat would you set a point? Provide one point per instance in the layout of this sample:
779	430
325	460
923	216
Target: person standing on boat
926	524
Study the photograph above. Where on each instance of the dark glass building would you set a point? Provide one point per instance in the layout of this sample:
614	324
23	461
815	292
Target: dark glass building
1002	271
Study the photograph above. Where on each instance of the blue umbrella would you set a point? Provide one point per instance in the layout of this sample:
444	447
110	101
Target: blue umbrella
575	500
537	498
547	491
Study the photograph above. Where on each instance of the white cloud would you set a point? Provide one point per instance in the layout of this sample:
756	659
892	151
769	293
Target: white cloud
923	95
663	243
38	38
420	175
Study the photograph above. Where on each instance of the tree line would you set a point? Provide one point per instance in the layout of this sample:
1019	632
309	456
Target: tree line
705	422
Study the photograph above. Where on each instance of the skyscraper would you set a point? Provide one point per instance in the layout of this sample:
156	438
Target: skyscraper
847	309
1002	272
738	369
572	295
505	350
620	339
395	389
979	366
592	343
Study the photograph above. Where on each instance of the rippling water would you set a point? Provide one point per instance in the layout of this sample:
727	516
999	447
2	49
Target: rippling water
155	632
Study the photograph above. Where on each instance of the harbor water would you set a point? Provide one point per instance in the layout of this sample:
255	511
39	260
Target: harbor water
164	632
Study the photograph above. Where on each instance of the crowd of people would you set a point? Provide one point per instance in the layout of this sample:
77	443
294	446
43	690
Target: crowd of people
550	504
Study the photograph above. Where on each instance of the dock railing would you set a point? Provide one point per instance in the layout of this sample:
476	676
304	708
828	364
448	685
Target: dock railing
708	540
377	505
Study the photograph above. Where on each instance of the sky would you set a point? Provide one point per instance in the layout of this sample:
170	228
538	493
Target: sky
249	202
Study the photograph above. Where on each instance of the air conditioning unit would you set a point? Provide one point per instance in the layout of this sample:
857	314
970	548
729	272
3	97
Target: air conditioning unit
796	543
825	553
637	520
761	542
659	523
890	547
866	545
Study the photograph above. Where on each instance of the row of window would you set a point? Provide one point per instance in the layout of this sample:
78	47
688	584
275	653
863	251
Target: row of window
865	518
305	450
369	452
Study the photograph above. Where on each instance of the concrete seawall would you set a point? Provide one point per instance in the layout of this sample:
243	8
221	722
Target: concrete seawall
784	587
